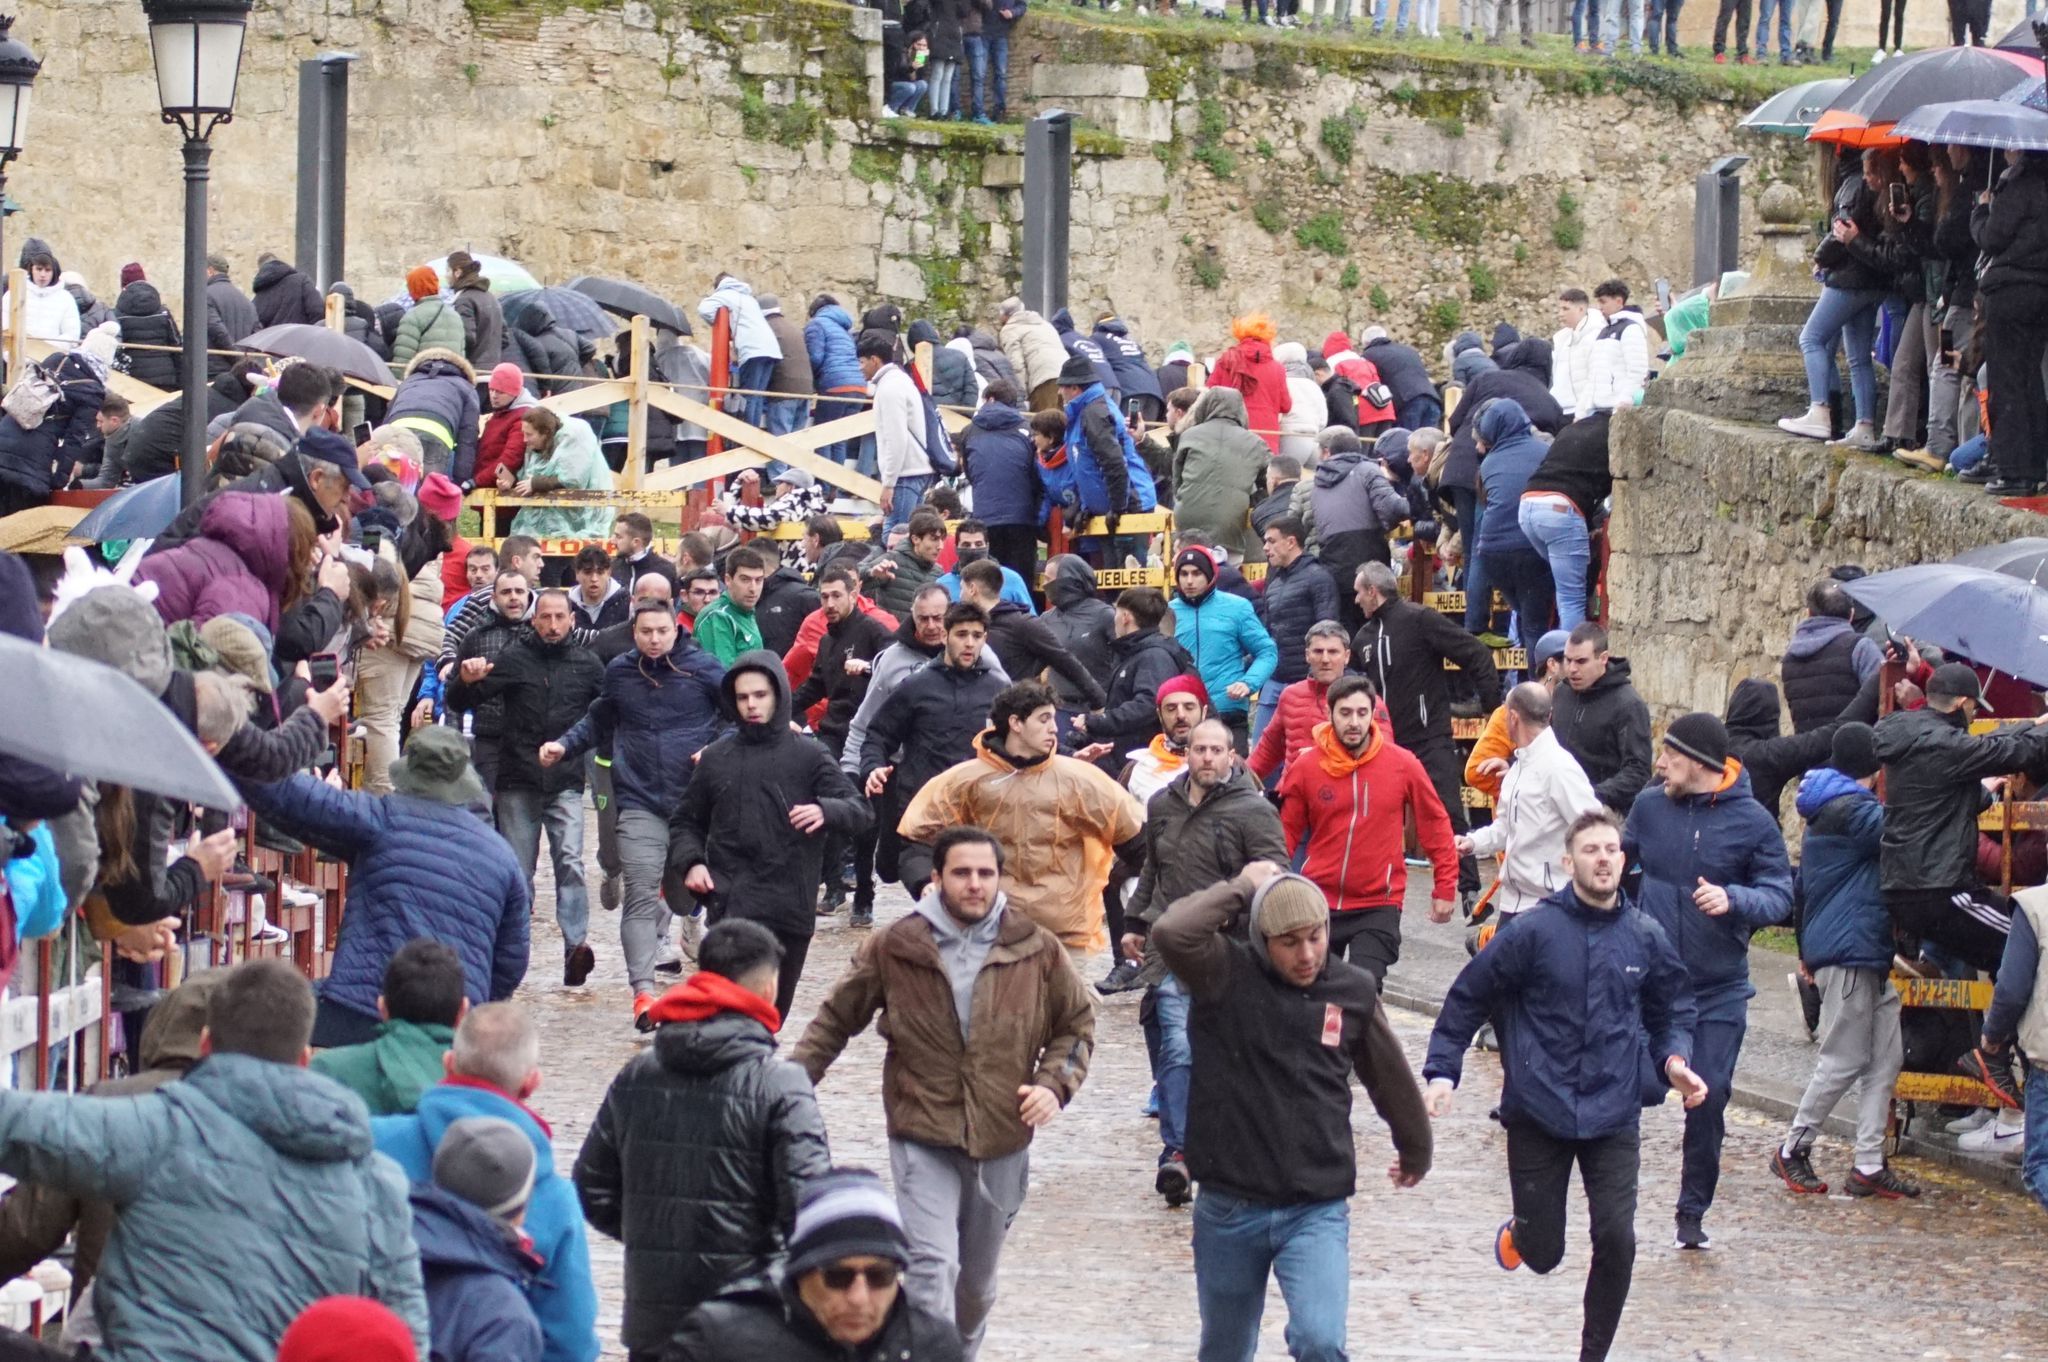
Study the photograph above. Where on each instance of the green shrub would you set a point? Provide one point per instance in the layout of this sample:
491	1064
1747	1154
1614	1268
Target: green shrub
1569	233
1222	162
1338	137
1446	314
1265	149
1209	272
1213	120
1269	214
1323	232
1567	206
1378	298
1349	279
1485	287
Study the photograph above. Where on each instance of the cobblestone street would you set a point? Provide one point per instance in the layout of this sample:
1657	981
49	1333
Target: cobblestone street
1098	1268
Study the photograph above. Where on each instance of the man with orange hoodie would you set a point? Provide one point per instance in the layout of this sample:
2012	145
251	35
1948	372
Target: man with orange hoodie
1249	367
1345	798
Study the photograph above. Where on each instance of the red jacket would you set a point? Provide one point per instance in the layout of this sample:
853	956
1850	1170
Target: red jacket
1249	367
455	572
502	444
797	662
1350	810
1292	730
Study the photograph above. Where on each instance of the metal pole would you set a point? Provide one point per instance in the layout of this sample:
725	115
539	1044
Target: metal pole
333	167
1048	194
192	456
306	235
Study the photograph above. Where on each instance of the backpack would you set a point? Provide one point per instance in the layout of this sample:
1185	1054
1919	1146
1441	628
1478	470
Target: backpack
936	444
31	397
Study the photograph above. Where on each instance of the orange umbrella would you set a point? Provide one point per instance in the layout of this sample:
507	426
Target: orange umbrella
1846	129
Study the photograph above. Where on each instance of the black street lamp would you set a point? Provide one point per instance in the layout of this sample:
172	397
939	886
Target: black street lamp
18	67
198	49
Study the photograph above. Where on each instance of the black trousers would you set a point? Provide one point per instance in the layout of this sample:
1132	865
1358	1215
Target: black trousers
863	847
1447	777
1016	548
1740	11
1891	15
2016	337
1964	928
1240	726
1968	18
1369	938
795	950
1539	1179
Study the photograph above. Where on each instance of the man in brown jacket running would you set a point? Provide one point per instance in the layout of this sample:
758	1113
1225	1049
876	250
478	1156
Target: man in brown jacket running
990	1029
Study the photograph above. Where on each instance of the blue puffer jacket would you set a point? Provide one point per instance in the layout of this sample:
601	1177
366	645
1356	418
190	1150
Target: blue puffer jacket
1844	922
828	337
404	882
1094	425
1293	599
1078	344
440	386
1001	466
655	716
1512	453
1223	634
476	1277
1585	999
563	1298
1725	837
241	1162
1126	357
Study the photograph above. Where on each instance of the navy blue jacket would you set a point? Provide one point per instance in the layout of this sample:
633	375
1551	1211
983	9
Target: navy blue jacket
27	456
405	881
1512	453
1727	838
1582	1000
1002	467
1844	922
1078	344
476	1275
1126	357
828	340
1294	598
1404	373
655	716
442	387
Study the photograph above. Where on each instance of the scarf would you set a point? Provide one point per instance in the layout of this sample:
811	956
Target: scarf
704	995
1169	757
1336	759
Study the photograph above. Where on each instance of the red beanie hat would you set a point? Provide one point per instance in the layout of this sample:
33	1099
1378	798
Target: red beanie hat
421	282
131	272
507	378
347	1329
439	497
1184	684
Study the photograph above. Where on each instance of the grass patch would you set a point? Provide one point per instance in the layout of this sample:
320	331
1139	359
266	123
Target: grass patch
1222	161
1378	298
1350	278
1779	939
1270	214
1338	136
1446	314
1324	232
1484	284
1208	271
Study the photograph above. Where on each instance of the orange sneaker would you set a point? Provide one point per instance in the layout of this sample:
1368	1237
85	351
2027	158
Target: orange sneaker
642	1021
1504	1251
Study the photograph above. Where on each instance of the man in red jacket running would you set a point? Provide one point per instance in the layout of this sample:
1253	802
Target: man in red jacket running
1345	797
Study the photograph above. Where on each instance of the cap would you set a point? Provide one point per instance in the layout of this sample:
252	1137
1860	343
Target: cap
1549	646
796	477
1957	678
347	1329
507	378
1854	751
846	1213
326	446
1077	372
488	1162
769	304
1700	736
1287	903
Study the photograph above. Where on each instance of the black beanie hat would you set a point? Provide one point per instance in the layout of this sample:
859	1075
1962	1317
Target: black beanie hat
1699	736
1854	753
1077	372
1196	556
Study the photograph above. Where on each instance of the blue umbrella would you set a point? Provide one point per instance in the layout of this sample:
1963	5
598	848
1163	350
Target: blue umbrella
1977	123
1991	618
577	311
142	511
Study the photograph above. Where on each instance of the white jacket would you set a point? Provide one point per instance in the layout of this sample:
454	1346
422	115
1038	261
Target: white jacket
1544	790
51	314
899	427
1619	366
1571	359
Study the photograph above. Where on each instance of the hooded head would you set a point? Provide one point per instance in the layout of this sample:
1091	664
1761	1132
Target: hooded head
1336	343
922	332
1219	404
1180	352
756	663
1531	355
1501	421
139	299
1504	336
1063	320
1753	711
1069	580
117	626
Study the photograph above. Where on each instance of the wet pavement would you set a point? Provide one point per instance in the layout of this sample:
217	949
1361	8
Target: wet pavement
1098	1268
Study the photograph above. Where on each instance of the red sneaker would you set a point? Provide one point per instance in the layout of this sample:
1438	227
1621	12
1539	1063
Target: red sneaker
1720	59
1504	1251
642	1021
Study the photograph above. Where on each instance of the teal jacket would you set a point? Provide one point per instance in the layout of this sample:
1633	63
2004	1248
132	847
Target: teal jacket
1223	634
390	1072
245	1193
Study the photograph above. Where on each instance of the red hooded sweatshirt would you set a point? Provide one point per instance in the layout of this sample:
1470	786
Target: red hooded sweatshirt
1350	809
1249	367
704	995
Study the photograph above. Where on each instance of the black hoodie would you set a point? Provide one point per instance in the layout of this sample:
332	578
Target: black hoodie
1606	728
1521	373
143	320
1773	761
284	296
1083	622
735	815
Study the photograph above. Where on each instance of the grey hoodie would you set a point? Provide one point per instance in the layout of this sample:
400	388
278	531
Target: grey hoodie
963	947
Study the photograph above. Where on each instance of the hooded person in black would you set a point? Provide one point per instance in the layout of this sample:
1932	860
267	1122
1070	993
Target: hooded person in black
1522	372
1598	718
1773	760
749	837
1083	622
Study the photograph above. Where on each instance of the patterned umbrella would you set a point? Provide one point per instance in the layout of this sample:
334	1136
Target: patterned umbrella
1977	123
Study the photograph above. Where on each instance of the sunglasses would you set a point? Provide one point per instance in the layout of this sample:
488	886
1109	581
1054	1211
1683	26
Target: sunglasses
880	1277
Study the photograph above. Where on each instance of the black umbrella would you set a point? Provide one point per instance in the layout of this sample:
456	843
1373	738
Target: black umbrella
2024	558
1977	123
142	511
81	717
1941	75
1992	618
630	300
579	312
322	345
2020	38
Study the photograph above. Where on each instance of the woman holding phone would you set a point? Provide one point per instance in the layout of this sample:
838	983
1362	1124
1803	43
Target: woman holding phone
1856	277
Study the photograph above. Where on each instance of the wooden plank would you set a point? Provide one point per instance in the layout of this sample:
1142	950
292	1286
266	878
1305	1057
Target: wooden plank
2027	816
1474	799
1973	994
1142	522
1944	1090
1448	602
1467	730
761	448
587	399
1504	659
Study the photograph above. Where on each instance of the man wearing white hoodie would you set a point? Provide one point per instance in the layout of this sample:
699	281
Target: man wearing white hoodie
1571	349
1544	791
1619	363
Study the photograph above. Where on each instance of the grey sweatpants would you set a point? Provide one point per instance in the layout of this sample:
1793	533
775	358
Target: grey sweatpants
1859	1048
643	924
956	1211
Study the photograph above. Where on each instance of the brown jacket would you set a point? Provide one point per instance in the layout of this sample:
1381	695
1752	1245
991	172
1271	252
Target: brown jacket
1033	1022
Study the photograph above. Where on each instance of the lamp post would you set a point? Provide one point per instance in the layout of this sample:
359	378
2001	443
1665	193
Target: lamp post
18	67
198	49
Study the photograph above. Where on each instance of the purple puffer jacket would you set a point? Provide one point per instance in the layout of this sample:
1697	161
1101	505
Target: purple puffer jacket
240	561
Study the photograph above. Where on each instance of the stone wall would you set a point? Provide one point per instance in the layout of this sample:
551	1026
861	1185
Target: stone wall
1719	527
664	140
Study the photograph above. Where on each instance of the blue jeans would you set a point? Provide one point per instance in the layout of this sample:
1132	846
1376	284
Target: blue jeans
909	493
2034	1156
1610	25
1269	701
1664	24
1763	28
1715	1045
904	94
1379	16
998	70
1559	533
832	409
1308	1248
754	374
1523	576
1969	454
942	73
1847	317
1165	1021
521	816
1587	11
784	416
977	73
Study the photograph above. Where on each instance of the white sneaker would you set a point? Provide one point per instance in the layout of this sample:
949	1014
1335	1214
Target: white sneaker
1861	436
1812	426
693	932
1877	56
888	112
2005	1136
1976	1120
297	896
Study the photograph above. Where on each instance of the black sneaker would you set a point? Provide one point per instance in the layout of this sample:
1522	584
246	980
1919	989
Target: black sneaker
1173	1181
863	915
1994	1072
1883	1183
2013	487
1980	473
1121	979
833	901
1797	1172
577	964
1692	1234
